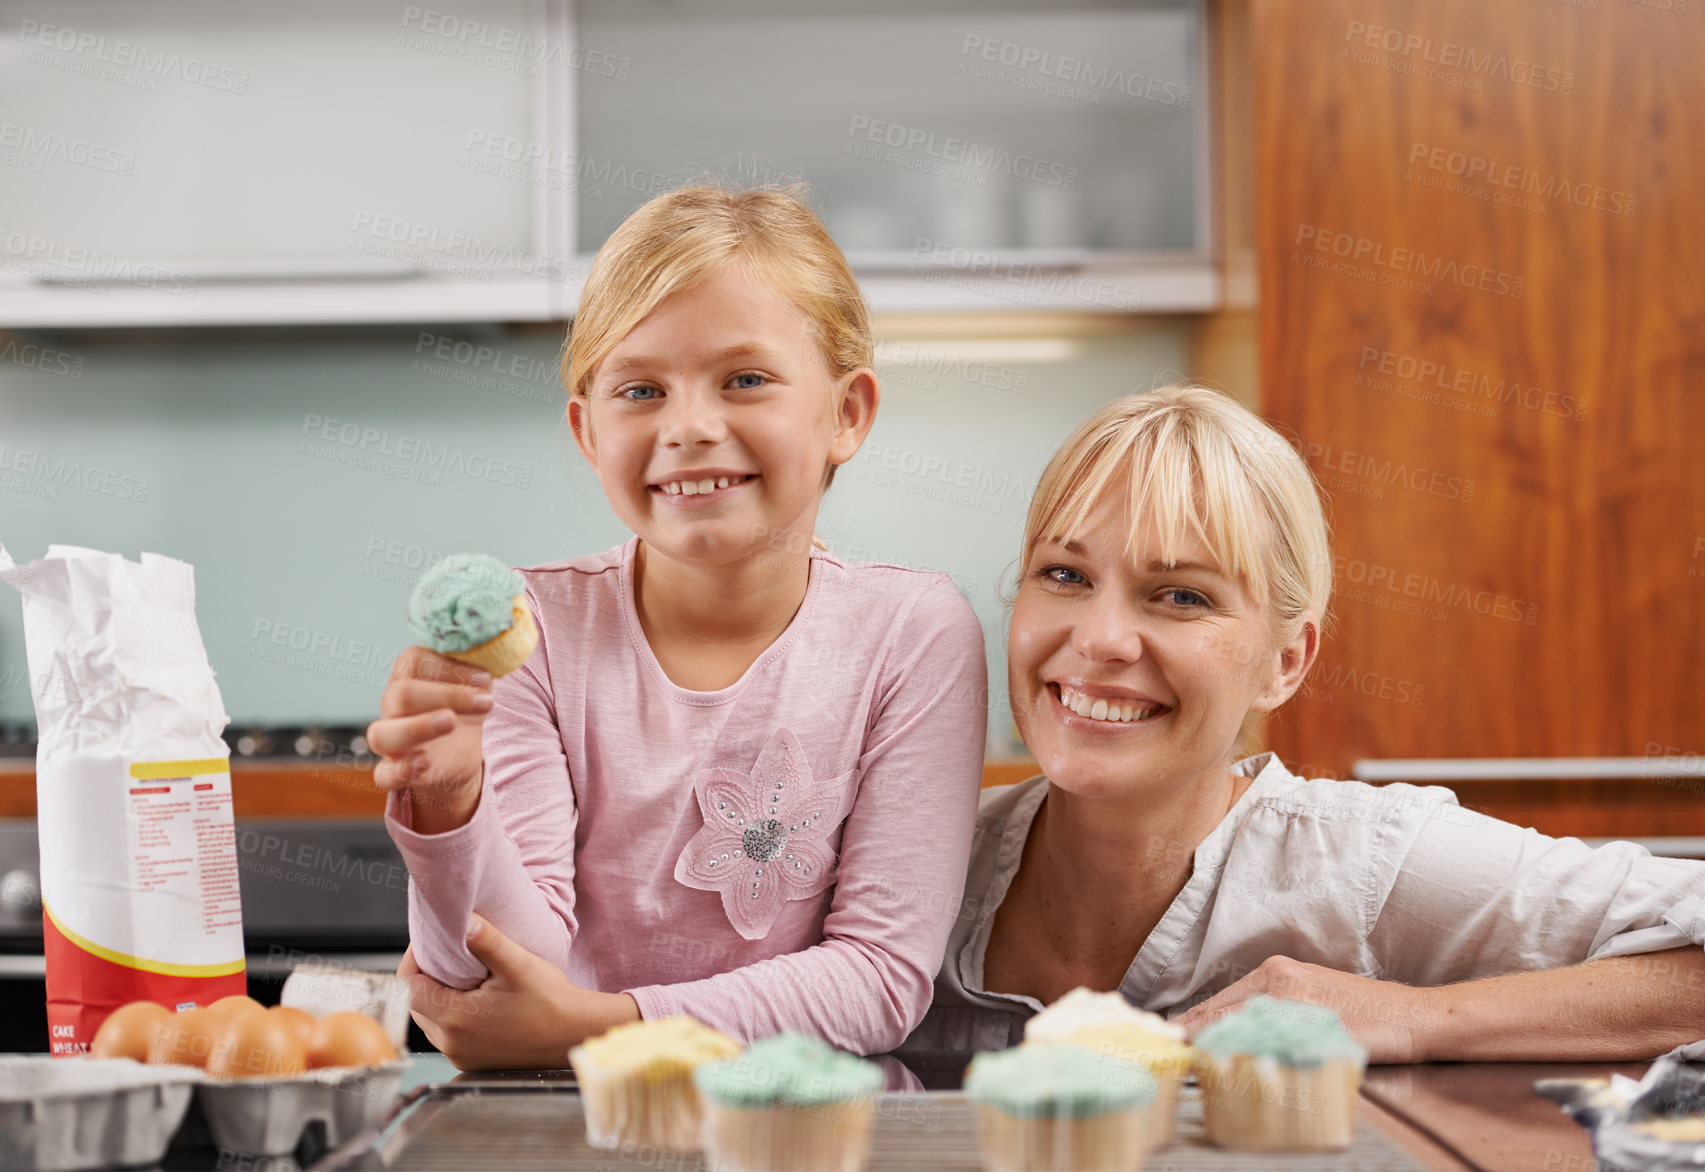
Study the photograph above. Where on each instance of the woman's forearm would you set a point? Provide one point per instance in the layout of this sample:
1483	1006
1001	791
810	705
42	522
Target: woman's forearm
1627	1007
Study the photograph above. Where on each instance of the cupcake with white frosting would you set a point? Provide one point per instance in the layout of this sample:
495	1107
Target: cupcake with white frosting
1114	1028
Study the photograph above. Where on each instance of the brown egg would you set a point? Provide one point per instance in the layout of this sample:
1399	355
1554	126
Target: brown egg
255	1044
301	1024
128	1030
236	1003
349	1039
185	1038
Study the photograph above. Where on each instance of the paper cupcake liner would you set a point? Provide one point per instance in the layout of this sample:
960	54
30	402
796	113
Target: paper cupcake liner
508	651
1111	1141
1169	1070
643	1108
1163	1109
1258	1105
834	1137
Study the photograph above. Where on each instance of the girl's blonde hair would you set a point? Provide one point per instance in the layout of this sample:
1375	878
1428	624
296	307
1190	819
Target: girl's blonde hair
1195	461
684	236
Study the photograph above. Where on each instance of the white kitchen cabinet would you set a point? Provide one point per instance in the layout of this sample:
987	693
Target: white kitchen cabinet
333	161
184	162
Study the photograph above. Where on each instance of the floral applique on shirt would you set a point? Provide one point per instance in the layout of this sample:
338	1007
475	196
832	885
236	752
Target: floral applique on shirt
765	837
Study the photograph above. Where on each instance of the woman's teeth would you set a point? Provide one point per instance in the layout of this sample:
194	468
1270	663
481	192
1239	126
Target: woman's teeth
1099	708
697	487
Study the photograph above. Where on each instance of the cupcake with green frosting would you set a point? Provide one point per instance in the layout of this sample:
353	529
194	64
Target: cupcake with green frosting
1112	1026
789	1104
472	608
1279	1076
1058	1107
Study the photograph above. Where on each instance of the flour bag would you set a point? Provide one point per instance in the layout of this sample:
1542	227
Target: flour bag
133	790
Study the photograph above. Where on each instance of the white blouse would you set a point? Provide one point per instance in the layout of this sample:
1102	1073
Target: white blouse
1396	882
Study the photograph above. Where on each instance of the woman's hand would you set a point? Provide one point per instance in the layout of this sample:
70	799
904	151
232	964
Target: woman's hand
428	735
525	1016
1393	1021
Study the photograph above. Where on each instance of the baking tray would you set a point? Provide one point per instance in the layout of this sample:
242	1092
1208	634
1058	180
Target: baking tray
457	1128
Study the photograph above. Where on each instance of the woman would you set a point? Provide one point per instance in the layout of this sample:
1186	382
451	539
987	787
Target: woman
1174	576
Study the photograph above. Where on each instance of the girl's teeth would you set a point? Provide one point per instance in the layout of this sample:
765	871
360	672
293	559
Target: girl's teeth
699	487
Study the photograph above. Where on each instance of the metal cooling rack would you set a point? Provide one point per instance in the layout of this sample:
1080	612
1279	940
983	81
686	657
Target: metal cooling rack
460	1129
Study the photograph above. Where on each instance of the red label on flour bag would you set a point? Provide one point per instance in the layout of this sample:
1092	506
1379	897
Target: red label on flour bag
133	790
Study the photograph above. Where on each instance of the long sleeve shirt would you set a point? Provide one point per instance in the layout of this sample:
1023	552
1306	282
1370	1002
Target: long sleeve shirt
1395	882
783	853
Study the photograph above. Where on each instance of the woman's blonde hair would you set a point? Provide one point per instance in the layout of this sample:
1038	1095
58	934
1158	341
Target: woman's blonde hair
681	237
1195	461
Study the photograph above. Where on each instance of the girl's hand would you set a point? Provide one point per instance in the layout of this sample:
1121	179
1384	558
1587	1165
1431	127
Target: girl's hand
1393	1021
525	1016
428	734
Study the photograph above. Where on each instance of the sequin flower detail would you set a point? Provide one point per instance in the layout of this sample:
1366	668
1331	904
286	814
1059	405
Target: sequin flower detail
765	835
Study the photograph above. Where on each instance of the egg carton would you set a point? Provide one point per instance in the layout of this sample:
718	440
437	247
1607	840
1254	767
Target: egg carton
59	1114
269	1116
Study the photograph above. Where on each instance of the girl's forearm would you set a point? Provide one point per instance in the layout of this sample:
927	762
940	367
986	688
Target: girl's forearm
1621	1008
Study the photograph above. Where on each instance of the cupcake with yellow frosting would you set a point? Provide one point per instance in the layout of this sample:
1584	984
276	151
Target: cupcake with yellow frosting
1114	1028
1054	1107
1279	1076
789	1104
636	1082
473	608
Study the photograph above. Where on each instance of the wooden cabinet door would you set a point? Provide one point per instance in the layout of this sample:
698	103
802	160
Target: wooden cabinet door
1481	235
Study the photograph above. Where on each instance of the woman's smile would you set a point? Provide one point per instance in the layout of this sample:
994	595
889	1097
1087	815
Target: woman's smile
1102	711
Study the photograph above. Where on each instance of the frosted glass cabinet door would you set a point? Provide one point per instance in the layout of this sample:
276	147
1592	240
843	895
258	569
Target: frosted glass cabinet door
1051	126
217	142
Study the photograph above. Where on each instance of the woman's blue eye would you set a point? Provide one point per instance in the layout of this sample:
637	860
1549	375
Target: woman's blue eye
633	395
758	380
1187	598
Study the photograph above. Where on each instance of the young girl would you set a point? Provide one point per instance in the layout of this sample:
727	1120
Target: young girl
738	777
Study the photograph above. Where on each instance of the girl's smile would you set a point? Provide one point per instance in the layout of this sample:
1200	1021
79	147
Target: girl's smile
701	486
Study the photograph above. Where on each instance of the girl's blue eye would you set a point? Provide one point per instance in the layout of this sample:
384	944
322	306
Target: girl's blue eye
739	382
633	395
1052	574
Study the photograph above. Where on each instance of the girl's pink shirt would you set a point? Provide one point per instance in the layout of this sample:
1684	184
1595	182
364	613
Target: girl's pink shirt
787	853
